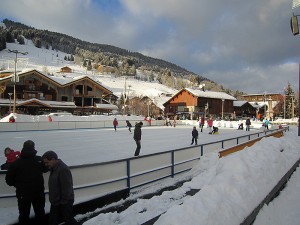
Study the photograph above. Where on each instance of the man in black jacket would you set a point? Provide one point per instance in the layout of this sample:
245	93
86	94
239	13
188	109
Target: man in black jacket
137	136
61	194
26	175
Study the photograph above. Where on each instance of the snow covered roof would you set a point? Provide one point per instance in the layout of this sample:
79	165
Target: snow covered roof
239	103
107	106
211	94
50	104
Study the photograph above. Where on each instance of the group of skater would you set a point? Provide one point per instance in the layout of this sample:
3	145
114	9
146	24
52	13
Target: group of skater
137	134
212	129
25	172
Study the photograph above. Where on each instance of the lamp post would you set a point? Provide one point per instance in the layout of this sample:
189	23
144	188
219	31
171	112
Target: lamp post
223	108
15	78
149	103
10	102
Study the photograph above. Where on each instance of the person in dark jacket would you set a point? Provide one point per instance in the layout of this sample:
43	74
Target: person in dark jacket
61	193
248	123
137	136
194	136
26	175
128	124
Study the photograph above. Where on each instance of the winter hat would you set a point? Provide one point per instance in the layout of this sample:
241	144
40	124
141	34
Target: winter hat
28	146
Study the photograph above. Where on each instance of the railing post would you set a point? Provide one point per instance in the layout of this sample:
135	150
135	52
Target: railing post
237	140
222	144
173	162
201	150
128	174
249	137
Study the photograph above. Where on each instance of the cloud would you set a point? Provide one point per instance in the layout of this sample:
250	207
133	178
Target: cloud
233	42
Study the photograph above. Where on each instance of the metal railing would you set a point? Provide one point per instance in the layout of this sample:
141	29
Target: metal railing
99	179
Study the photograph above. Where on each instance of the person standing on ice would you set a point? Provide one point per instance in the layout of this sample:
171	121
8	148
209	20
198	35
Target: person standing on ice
248	123
137	136
115	123
128	124
267	123
194	136
201	123
210	124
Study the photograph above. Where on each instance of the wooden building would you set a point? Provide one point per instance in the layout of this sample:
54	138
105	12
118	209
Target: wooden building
81	91
192	103
266	102
65	69
245	109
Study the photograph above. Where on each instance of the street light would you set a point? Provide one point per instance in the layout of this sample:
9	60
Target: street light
15	78
10	102
223	108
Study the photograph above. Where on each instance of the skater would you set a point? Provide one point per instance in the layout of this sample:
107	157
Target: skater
61	193
26	175
201	123
267	123
128	124
168	122
137	136
115	123
241	126
215	130
194	136
11	156
248	123
210	124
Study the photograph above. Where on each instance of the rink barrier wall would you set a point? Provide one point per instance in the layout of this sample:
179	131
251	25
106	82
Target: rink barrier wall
92	181
67	125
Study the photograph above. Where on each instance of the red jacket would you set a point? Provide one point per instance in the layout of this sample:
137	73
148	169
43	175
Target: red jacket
202	120
210	123
12	156
115	122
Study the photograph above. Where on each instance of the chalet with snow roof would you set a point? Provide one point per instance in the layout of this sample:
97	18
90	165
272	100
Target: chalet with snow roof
36	92
192	103
266	102
65	69
245	109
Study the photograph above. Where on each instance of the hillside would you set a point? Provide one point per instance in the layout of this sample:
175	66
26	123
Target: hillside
113	59
99	53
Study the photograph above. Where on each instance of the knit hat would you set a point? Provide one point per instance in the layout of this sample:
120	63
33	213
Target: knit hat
29	146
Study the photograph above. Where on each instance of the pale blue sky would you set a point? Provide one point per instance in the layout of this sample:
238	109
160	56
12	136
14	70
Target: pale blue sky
245	45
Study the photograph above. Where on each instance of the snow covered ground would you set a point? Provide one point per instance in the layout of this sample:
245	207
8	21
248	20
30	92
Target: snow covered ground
230	187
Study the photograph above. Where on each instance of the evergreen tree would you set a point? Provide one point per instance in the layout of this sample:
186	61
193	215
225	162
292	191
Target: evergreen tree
289	102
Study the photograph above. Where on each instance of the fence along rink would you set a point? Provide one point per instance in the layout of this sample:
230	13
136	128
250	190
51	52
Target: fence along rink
99	179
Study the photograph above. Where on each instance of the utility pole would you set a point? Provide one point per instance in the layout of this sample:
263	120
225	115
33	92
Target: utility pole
15	78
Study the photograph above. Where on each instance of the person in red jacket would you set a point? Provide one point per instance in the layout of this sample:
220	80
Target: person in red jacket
201	123
115	123
11	156
11	119
210	124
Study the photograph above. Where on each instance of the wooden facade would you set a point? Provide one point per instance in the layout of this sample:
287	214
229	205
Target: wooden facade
194	103
83	91
262	97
